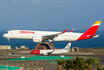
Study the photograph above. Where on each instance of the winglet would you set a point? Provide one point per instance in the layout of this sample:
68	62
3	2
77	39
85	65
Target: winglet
64	31
72	30
70	42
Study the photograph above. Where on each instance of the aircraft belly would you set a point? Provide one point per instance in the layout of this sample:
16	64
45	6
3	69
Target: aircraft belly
57	52
66	38
20	37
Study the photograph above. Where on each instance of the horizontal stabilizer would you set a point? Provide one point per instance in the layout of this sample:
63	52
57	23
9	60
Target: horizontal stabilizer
96	36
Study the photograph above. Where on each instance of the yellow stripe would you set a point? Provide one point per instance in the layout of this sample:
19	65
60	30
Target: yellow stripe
97	22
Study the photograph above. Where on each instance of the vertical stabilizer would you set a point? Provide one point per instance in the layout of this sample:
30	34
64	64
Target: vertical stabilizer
90	32
68	46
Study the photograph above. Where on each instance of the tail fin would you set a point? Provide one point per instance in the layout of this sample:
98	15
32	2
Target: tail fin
68	46
90	32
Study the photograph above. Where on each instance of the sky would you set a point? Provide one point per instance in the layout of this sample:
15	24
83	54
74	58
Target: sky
50	14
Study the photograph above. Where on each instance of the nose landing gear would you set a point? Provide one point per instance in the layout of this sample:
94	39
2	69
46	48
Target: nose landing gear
8	40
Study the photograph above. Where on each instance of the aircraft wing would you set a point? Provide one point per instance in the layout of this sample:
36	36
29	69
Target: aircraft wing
50	37
50	52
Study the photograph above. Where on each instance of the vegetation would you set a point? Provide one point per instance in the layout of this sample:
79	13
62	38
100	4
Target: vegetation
95	50
100	68
77	64
60	62
91	61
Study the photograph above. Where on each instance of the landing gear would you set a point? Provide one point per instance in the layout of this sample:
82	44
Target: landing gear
50	55
50	40
8	40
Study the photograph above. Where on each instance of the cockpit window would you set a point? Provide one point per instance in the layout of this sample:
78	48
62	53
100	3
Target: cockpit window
6	32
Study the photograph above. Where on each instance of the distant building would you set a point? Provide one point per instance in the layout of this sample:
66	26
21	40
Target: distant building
26	48
23	47
5	47
76	49
15	47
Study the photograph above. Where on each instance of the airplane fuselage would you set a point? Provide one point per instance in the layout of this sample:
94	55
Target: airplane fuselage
24	34
47	52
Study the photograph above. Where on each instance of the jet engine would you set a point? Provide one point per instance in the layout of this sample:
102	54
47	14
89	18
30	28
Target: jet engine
45	54
37	39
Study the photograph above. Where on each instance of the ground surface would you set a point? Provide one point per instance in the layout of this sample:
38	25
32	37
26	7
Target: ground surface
38	63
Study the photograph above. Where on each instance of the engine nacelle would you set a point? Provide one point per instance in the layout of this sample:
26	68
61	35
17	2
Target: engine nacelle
37	39
45	54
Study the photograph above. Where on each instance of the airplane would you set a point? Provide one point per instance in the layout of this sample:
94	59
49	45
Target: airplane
41	36
55	51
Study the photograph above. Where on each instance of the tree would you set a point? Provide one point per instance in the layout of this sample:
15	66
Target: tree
98	68
60	62
91	61
76	64
68	64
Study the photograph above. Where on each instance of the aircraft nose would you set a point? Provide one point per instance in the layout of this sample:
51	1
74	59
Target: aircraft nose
31	52
4	35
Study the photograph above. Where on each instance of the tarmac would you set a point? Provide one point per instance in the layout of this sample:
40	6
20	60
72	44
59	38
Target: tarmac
28	64
39	58
9	68
37	62
40	62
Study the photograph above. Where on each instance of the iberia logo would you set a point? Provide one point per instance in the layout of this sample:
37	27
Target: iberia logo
31	32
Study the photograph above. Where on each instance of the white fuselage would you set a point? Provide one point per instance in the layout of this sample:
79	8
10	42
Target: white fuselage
55	52
48	52
24	34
